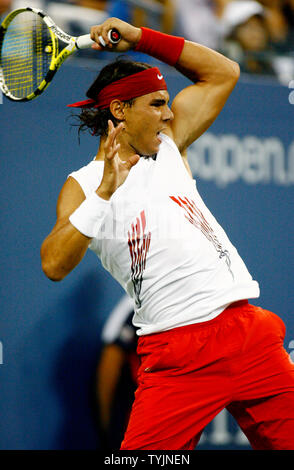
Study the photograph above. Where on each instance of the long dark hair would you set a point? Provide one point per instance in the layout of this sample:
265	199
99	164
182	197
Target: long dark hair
96	120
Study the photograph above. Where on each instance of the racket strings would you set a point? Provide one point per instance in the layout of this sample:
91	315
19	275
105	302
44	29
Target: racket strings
26	53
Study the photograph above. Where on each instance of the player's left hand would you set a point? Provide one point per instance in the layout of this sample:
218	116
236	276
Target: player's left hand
130	35
115	170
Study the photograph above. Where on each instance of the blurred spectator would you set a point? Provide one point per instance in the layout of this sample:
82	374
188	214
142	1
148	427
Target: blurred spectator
197	20
246	36
279	18
5	7
156	14
95	4
288	9
162	18
256	45
116	374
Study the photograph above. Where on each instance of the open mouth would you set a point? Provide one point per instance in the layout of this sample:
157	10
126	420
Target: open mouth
160	131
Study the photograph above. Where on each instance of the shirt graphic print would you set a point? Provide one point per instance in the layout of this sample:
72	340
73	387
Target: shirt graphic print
139	243
196	218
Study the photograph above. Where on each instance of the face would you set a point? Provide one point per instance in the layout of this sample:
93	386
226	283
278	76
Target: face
253	35
144	120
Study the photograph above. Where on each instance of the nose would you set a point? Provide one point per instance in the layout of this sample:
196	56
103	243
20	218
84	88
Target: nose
167	114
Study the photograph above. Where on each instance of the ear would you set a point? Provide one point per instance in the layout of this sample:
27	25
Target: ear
117	109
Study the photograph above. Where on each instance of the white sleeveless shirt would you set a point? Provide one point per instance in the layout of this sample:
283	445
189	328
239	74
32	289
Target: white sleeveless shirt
164	247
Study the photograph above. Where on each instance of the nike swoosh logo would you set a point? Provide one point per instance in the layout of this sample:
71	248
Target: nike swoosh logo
160	77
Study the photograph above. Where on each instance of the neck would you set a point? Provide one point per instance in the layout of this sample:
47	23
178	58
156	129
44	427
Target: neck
125	151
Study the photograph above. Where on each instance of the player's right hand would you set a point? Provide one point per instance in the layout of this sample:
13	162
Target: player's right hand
115	169
130	35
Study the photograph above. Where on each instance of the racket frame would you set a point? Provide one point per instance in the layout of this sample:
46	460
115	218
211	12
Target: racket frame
73	43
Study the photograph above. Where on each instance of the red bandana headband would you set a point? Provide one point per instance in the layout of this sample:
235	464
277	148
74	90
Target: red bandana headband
126	88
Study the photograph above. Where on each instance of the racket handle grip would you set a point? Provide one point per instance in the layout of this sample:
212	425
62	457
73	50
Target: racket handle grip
84	42
113	36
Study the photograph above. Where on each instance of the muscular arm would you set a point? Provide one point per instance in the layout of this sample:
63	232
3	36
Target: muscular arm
197	106
65	246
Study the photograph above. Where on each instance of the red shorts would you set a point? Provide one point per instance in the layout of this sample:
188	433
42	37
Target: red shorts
189	374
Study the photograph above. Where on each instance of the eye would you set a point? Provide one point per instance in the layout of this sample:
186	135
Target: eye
158	103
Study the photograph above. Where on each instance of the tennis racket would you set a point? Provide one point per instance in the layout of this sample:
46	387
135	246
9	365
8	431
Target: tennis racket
30	52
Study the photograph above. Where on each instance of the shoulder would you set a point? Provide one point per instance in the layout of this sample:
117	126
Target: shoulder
78	185
89	176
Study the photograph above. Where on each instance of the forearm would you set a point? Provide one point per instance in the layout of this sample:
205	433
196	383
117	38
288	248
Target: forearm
202	64
198	63
62	251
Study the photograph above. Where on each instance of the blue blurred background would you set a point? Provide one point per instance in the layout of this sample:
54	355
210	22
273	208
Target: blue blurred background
50	333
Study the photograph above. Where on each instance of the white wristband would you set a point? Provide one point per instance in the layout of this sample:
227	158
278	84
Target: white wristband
89	216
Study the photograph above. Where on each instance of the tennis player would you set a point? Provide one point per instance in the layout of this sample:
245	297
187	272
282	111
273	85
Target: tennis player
203	346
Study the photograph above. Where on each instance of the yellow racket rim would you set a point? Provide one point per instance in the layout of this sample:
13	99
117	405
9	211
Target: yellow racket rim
29	50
